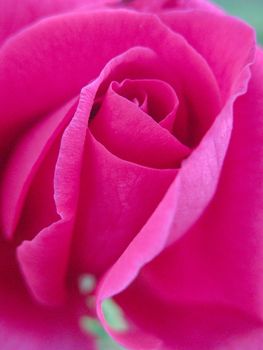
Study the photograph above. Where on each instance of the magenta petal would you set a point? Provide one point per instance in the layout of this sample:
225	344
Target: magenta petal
24	162
233	243
183	204
119	120
212	295
189	326
15	15
226	35
160	97
42	48
108	217
160	5
44	259
155	97
25	325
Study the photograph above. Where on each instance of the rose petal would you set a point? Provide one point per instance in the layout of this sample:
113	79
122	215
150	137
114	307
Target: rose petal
159	5
236	277
218	264
161	98
24	325
119	120
42	48
226	35
44	41
108	218
44	259
182	205
184	325
15	15
24	162
49	250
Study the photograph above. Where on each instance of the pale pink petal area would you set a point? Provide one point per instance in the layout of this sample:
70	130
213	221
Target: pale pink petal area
38	82
184	202
24	162
131	134
25	325
224	44
15	15
116	199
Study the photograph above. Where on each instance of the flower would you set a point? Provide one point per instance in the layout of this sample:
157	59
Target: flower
131	150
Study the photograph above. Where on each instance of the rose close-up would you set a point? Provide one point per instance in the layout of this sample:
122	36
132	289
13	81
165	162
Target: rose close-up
131	153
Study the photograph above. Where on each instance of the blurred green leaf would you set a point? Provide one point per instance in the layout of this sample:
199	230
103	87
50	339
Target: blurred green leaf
114	315
104	342
87	283
251	11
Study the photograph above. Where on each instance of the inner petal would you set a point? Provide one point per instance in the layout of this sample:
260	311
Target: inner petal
156	96
131	134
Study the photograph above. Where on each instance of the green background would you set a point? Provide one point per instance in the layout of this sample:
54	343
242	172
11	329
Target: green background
250	10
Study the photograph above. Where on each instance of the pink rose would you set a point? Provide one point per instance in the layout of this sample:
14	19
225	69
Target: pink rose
131	139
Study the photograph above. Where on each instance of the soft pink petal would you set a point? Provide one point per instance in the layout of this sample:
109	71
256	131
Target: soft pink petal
184	202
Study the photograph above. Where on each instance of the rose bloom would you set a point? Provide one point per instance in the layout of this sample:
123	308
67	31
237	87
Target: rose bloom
131	148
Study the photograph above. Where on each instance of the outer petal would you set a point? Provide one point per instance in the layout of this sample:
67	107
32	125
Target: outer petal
162	5
185	325
15	14
44	260
223	46
24	325
24	162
